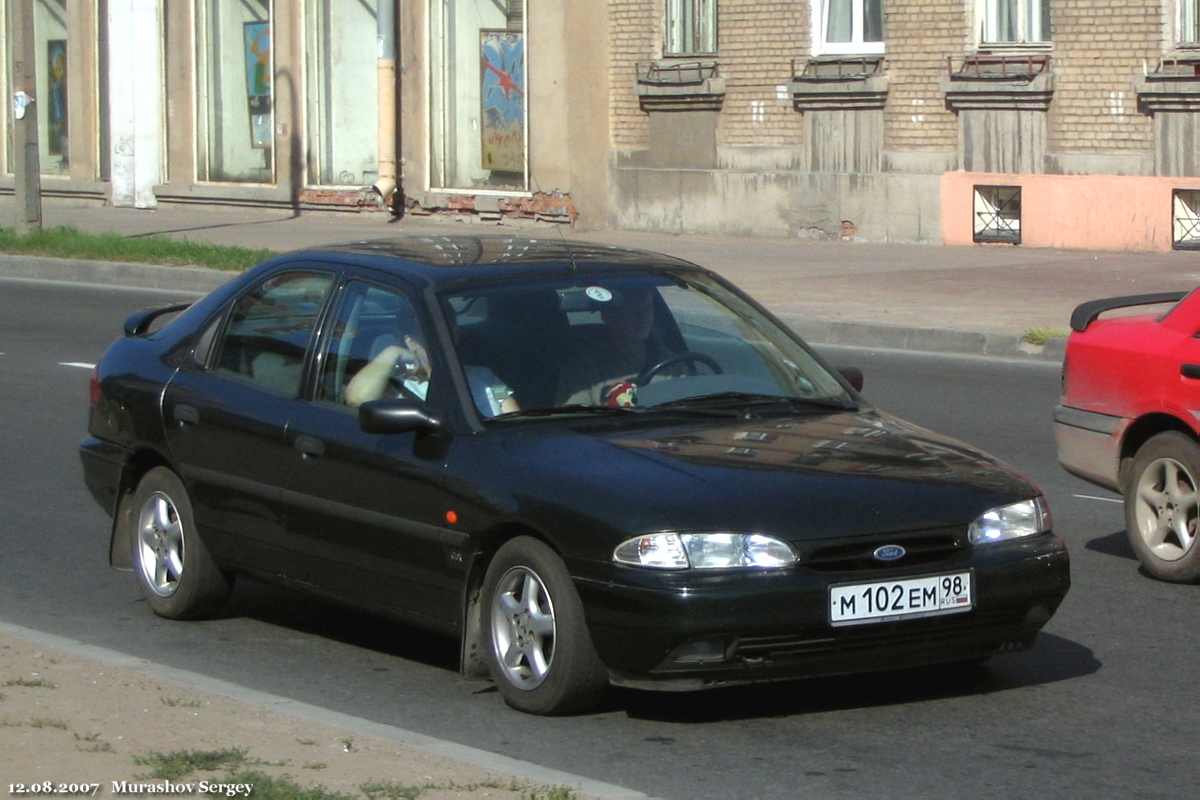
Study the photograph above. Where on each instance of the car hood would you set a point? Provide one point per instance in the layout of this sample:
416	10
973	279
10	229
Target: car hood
803	477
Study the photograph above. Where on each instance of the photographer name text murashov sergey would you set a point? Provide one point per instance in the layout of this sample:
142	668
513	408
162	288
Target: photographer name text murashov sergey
167	787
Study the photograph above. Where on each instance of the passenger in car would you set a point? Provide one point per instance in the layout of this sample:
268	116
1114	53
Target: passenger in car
379	379
603	372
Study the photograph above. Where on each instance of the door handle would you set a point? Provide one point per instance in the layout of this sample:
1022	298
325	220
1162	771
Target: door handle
310	447
1190	370
185	415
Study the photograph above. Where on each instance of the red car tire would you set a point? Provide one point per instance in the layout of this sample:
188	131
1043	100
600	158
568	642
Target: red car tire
1162	507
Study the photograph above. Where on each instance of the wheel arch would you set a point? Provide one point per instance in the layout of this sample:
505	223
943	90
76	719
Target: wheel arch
1141	431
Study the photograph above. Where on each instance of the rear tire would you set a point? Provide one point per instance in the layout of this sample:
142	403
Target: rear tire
175	572
535	636
1162	507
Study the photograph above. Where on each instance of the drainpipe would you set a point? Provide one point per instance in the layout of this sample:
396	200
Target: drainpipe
385	186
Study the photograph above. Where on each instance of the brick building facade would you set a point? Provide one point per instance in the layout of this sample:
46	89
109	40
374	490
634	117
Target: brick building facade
1065	123
951	121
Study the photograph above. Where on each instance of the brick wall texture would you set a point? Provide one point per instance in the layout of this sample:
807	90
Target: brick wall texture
636	28
1100	45
920	35
758	41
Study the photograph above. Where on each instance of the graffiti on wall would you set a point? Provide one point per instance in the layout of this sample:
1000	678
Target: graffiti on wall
258	82
56	62
502	84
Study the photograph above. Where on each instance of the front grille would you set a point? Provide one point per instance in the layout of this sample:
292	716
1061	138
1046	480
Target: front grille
921	547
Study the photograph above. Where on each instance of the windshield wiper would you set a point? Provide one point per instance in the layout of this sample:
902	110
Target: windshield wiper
573	408
747	399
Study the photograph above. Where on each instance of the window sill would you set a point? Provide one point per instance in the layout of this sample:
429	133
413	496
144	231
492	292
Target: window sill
1008	80
680	86
1167	94
1174	85
843	82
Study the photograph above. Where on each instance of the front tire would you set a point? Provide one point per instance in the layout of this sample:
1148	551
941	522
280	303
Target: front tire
535	636
175	572
1162	507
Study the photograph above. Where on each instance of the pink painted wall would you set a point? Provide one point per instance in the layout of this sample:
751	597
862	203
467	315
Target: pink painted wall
1076	212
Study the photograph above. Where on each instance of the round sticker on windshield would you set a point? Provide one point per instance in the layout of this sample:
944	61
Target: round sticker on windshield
598	293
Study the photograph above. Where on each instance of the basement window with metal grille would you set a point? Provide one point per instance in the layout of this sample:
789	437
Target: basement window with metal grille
1186	227
998	214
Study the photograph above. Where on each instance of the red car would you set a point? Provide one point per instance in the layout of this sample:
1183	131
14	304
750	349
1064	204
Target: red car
1129	420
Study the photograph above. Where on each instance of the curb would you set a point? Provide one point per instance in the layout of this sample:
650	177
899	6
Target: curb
815	331
924	340
113	273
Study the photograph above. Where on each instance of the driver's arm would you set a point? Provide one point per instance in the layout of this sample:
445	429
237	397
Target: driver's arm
372	379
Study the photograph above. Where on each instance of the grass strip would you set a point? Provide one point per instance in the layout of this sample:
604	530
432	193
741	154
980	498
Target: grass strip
68	242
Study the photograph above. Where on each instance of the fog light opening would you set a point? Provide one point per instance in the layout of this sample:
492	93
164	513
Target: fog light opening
1038	612
701	651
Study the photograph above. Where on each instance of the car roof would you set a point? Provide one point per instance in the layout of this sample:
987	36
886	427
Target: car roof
451	259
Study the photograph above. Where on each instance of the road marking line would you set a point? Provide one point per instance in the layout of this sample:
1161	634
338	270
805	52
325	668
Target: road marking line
80	364
1101	499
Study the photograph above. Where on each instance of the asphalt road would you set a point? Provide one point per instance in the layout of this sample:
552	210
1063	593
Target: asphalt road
1103	706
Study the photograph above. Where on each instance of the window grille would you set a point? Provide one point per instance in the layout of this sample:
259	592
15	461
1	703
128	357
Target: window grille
1186	227
998	214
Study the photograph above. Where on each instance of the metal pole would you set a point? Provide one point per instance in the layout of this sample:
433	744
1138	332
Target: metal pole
28	169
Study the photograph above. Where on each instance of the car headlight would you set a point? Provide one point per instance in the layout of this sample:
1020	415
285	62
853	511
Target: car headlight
705	551
1014	521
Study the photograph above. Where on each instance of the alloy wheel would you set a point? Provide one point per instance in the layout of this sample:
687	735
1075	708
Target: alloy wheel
523	627
160	544
1167	508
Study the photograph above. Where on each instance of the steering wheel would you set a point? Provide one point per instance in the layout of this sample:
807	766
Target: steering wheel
644	377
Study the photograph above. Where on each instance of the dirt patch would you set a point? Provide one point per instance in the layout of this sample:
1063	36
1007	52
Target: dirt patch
66	719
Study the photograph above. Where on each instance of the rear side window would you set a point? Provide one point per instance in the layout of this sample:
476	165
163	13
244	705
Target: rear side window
269	330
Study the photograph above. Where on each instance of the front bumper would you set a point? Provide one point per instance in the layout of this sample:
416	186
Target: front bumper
738	628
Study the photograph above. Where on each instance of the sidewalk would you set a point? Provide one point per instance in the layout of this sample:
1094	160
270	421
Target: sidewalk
922	297
72	713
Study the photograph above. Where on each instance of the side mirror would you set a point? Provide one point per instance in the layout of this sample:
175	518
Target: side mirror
395	416
853	376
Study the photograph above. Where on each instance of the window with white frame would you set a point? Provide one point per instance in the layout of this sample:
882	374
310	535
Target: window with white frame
847	27
477	95
691	27
1188	22
1013	21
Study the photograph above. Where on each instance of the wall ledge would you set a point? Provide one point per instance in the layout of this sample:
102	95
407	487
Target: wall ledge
1025	93
1157	93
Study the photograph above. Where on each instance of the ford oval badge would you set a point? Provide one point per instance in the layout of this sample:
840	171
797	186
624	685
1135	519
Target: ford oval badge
889	552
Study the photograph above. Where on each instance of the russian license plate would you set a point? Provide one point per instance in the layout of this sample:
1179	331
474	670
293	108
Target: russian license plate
860	603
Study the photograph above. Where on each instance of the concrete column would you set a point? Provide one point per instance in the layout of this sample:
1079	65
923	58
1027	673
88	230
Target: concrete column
27	169
135	95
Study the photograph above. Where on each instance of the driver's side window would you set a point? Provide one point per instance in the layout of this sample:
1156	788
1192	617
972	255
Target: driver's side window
377	350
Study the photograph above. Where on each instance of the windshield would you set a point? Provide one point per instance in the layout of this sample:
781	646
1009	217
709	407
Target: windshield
633	340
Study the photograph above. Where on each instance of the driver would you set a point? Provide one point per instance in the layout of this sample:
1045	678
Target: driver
604	373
